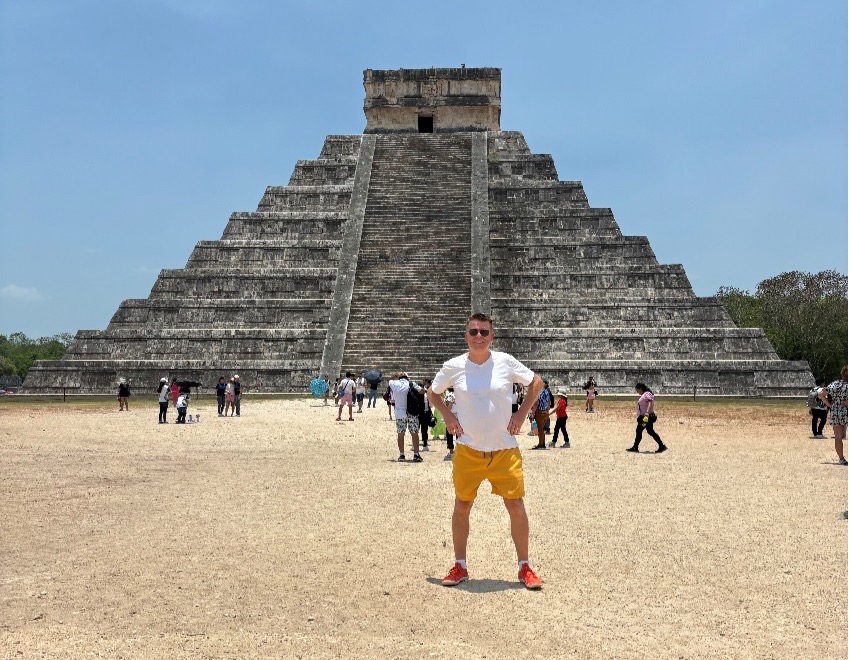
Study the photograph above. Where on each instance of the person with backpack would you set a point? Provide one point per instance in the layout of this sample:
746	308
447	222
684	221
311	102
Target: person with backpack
408	404
817	409
346	391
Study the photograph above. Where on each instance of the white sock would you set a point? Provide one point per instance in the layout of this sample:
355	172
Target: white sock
521	564
463	563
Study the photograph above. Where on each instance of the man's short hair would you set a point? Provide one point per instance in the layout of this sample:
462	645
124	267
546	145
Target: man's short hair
479	316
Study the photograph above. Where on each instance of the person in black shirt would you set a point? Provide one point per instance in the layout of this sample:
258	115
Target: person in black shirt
123	394
220	394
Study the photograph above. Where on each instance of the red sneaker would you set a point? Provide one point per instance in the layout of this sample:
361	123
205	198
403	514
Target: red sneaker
529	578
456	575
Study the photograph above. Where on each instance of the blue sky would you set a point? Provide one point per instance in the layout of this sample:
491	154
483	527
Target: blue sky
132	128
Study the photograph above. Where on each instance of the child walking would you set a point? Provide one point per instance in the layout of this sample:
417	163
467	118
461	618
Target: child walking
561	412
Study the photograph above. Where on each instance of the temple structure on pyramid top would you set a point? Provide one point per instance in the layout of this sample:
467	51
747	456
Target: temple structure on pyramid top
375	252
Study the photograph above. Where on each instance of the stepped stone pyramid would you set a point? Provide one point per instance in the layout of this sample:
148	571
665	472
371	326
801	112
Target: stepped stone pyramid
374	254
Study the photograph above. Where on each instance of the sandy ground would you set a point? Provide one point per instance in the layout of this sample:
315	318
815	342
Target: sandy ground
285	534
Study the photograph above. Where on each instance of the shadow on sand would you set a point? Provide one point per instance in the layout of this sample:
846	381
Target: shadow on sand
480	586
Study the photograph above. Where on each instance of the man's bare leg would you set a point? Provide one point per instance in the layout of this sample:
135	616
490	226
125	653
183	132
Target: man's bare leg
520	527
461	527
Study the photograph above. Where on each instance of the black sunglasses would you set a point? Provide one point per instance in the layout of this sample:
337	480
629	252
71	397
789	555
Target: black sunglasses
478	331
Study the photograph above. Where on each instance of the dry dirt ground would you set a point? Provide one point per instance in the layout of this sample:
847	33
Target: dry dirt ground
285	534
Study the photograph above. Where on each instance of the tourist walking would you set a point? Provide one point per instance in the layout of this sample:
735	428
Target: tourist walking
837	396
220	395
486	447
591	390
425	416
360	389
372	393
238	392
229	397
345	394
817	409
646	418
561	412
403	405
329	389
163	396
388	397
542	414
123	394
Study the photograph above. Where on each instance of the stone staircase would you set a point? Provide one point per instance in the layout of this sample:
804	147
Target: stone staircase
412	288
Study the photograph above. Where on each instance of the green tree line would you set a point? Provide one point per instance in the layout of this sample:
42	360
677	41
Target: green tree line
804	315
18	352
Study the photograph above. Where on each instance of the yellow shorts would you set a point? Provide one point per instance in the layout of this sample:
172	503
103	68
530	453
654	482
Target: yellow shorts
503	468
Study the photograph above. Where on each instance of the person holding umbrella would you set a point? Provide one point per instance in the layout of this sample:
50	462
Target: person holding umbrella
373	378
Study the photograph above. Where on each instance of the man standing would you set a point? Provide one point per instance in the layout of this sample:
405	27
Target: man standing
373	393
360	389
486	447
238	390
346	392
425	416
542	413
819	413
399	388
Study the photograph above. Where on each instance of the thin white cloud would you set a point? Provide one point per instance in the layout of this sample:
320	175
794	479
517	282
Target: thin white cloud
145	270
22	293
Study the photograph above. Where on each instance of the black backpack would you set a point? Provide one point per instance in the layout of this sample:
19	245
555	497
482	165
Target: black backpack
414	404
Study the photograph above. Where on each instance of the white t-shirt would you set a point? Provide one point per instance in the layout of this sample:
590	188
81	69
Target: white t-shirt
399	389
182	401
360	385
483	397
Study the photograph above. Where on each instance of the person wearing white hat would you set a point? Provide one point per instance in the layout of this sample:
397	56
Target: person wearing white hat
238	390
163	392
123	394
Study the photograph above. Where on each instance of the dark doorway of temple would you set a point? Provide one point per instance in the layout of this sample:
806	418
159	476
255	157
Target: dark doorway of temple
425	124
